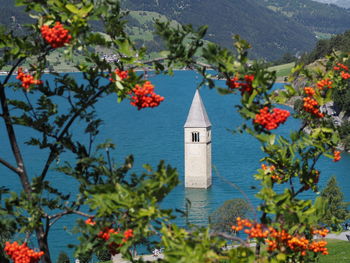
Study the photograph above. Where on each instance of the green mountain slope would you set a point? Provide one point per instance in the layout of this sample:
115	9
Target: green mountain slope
273	27
11	16
141	28
317	17
271	34
325	47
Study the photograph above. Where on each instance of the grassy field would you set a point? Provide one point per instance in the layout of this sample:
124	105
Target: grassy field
283	70
339	252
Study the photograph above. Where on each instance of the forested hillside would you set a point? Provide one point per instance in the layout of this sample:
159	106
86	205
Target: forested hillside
325	47
317	17
10	15
273	27
271	34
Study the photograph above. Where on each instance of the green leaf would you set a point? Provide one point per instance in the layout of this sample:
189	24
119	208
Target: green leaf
125	48
281	257
290	90
73	8
119	85
223	91
82	12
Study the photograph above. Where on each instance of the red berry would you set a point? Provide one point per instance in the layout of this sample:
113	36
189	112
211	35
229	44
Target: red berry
272	120
27	79
245	85
56	36
144	96
21	253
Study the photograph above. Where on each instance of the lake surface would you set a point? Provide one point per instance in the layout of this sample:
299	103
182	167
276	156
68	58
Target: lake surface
157	134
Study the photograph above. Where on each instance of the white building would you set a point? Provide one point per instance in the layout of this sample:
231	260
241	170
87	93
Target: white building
197	146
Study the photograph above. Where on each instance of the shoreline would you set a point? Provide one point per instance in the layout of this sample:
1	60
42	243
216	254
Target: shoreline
5	73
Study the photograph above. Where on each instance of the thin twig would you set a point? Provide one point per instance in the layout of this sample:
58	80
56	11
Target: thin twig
315	161
311	168
10	166
53	153
12	70
57	216
30	104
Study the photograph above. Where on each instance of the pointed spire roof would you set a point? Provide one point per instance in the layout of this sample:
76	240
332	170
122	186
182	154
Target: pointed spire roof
197	116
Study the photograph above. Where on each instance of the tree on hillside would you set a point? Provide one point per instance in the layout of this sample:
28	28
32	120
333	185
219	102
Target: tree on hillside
222	218
336	207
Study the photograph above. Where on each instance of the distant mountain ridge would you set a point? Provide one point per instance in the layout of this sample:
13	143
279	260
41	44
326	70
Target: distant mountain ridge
287	25
271	34
273	27
317	17
341	3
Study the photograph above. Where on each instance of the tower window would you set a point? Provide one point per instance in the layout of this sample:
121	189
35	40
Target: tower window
195	136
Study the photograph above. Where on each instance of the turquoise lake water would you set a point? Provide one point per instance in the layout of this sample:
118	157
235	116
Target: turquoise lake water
155	134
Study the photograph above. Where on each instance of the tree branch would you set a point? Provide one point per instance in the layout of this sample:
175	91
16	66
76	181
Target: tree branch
31	106
11	71
12	136
57	216
230	237
53	152
10	166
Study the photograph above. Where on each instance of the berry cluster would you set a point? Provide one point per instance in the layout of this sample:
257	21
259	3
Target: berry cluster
271	170
342	68
22	253
90	222
113	247
241	223
309	91
26	79
324	83
280	239
320	232
272	120
345	75
319	247
144	96
106	233
120	75
245	85
129	233
56	36
336	156
310	104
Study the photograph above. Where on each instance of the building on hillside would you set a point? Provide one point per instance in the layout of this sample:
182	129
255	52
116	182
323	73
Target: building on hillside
197	129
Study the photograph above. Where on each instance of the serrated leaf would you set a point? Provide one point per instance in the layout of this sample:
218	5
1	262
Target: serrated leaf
119	85
223	91
125	48
290	89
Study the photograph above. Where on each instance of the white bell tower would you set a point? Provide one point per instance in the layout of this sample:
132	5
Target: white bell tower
197	146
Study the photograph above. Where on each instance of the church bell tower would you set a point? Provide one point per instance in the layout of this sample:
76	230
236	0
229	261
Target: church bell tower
197	146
